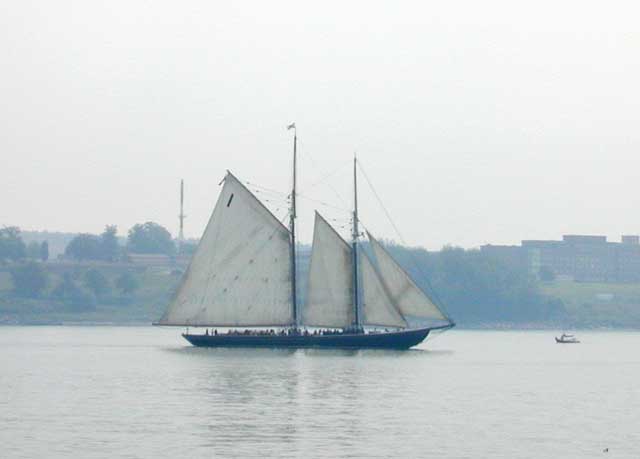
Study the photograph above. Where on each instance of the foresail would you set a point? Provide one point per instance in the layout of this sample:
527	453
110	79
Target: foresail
410	299
240	273
329	294
377	306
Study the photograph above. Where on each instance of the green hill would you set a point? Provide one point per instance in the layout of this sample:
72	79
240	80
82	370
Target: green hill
597	304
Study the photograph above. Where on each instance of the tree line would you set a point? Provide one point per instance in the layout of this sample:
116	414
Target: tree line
13	248
83	287
476	288
472	286
80	289
142	238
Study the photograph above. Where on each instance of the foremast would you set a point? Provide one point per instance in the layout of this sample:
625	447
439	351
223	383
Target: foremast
292	230
355	234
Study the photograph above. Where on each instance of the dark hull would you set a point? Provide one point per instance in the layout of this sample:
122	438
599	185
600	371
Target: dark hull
562	341
388	340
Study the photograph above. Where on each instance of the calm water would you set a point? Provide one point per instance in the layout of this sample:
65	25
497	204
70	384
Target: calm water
142	392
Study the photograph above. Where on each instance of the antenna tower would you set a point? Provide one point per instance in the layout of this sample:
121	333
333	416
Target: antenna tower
181	217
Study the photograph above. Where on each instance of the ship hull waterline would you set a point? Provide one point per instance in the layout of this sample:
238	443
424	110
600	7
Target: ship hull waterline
404	339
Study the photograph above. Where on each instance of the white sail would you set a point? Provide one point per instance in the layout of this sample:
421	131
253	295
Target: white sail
377	305
410	299
240	274
330	291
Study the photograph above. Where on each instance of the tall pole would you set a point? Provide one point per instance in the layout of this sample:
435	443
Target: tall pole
181	217
354	249
292	229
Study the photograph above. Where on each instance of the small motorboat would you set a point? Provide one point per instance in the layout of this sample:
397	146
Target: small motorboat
567	339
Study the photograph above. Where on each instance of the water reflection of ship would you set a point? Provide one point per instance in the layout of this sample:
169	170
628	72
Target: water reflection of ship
277	400
260	392
243	275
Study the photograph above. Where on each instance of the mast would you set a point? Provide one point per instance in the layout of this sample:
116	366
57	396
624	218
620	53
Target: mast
292	230
354	249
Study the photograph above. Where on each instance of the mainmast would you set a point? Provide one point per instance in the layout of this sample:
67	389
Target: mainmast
292	230
354	249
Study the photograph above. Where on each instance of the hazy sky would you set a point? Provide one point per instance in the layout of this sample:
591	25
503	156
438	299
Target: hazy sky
476	121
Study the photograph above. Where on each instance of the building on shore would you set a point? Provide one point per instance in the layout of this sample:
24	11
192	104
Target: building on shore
581	258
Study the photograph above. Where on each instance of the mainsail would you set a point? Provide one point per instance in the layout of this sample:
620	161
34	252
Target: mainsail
377	306
406	295
329	295
240	274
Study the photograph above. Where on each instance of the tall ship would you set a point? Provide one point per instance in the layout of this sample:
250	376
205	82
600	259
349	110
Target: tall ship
240	289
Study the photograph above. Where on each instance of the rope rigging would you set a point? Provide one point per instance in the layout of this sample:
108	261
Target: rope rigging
281	200
432	293
326	177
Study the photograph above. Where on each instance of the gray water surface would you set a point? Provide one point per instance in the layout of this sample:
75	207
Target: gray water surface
97	392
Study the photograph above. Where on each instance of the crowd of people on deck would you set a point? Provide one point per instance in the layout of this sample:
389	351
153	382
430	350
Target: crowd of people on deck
287	332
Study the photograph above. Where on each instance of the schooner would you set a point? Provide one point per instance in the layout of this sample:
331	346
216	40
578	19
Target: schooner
243	276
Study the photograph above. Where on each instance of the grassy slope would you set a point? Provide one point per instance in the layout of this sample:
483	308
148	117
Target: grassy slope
594	303
146	305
